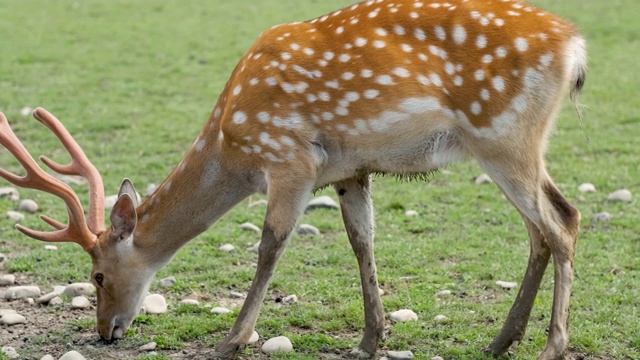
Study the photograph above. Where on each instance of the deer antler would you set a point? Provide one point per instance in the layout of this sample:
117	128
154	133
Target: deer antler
79	230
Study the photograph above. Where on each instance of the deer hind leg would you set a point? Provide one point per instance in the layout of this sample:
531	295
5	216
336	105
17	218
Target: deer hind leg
357	213
288	194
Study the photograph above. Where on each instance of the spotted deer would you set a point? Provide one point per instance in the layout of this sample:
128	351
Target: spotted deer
383	86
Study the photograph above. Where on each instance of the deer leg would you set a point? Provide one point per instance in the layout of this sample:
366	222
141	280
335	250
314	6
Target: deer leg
357	213
288	197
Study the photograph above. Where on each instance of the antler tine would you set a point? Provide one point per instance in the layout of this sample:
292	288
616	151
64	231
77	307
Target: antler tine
77	231
80	165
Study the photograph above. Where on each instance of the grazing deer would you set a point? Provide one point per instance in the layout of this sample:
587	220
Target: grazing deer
393	86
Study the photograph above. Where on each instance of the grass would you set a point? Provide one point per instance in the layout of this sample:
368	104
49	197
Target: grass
134	82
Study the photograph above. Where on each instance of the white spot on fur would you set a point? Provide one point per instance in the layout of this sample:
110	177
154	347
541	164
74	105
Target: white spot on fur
239	117
459	34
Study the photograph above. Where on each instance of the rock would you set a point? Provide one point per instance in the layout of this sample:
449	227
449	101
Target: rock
403	315
167	282
322	202
70	179
77	289
279	343
443	293
437	358
586	187
26	111
10	193
220	310
47	357
290	299
50	247
254	338
622	195
15	216
400	355
306	229
4	312
380	292
155	304
441	319
482	179
237	295
72	355
30	301
148	347
255	247
21	292
411	213
56	301
58	289
261	202
44	299
190	302
80	302
12	319
109	201
8	279
227	248
28	206
603	216
506	284
151	188
250	227
10	352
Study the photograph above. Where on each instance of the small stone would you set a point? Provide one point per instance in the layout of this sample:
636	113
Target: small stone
72	355
250	227
443	293
437	358
148	347
482	179
8	279
603	216
80	302
4	312
400	355
28	206
261	202
190	302
12	319
255	247
109	201
380	292
403	315
227	248
58	289
26	111
155	304
77	289
506	284
622	195
306	229
586	188
44	299
322	202
237	295
441	319
220	310
290	299
50	247
30	301
47	357
279	343
10	193
15	216
10	352
21	292
411	213
56	301
167	282
254	338
151	188
70	179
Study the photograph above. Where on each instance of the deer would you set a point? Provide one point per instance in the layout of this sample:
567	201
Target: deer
383	86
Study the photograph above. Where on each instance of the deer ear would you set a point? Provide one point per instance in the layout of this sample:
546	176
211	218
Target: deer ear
123	217
127	188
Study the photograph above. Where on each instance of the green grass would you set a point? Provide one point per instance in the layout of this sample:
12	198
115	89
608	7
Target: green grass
135	81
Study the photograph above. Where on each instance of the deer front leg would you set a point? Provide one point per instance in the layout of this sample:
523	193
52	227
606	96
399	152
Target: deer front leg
287	196
357	213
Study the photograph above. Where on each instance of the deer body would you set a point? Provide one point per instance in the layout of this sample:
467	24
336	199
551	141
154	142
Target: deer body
387	86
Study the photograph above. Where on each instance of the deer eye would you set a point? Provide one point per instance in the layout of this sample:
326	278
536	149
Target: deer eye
99	278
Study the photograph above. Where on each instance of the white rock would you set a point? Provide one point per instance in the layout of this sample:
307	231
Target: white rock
167	282
403	315
220	310
400	355
47	357
148	347
322	202
443	293
26	111
482	179
258	203
306	229
4	312
411	213
7	279
506	284
70	179
77	289
21	292
250	227
30	301
10	352
15	216
12	319
58	289
237	295
255	247
441	319
437	358
603	216
50	247
380	292
72	355
80	302
56	301
290	299
586	187
226	248
254	338
151	188
9	192
622	195
155	304
109	201
190	302
44	299
279	343
28	206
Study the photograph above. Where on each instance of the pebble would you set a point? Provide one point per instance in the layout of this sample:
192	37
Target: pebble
190	302
400	355
586	188
441	319
167	282
411	213
56	301
227	248
77	289
4	312
403	315
26	111
44	299
258	203
506	284
622	195
220	310
21	292
10	192
306	229
30	301
72	355
8	279
10	352
15	216
48	357
50	247
380	292
290	299
603	216
28	206
279	343
109	201
237	295
250	227
482	179
322	202
254	338
437	358
151	188
255	247
58	289
12	319
443	293
148	347
155	304
80	302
